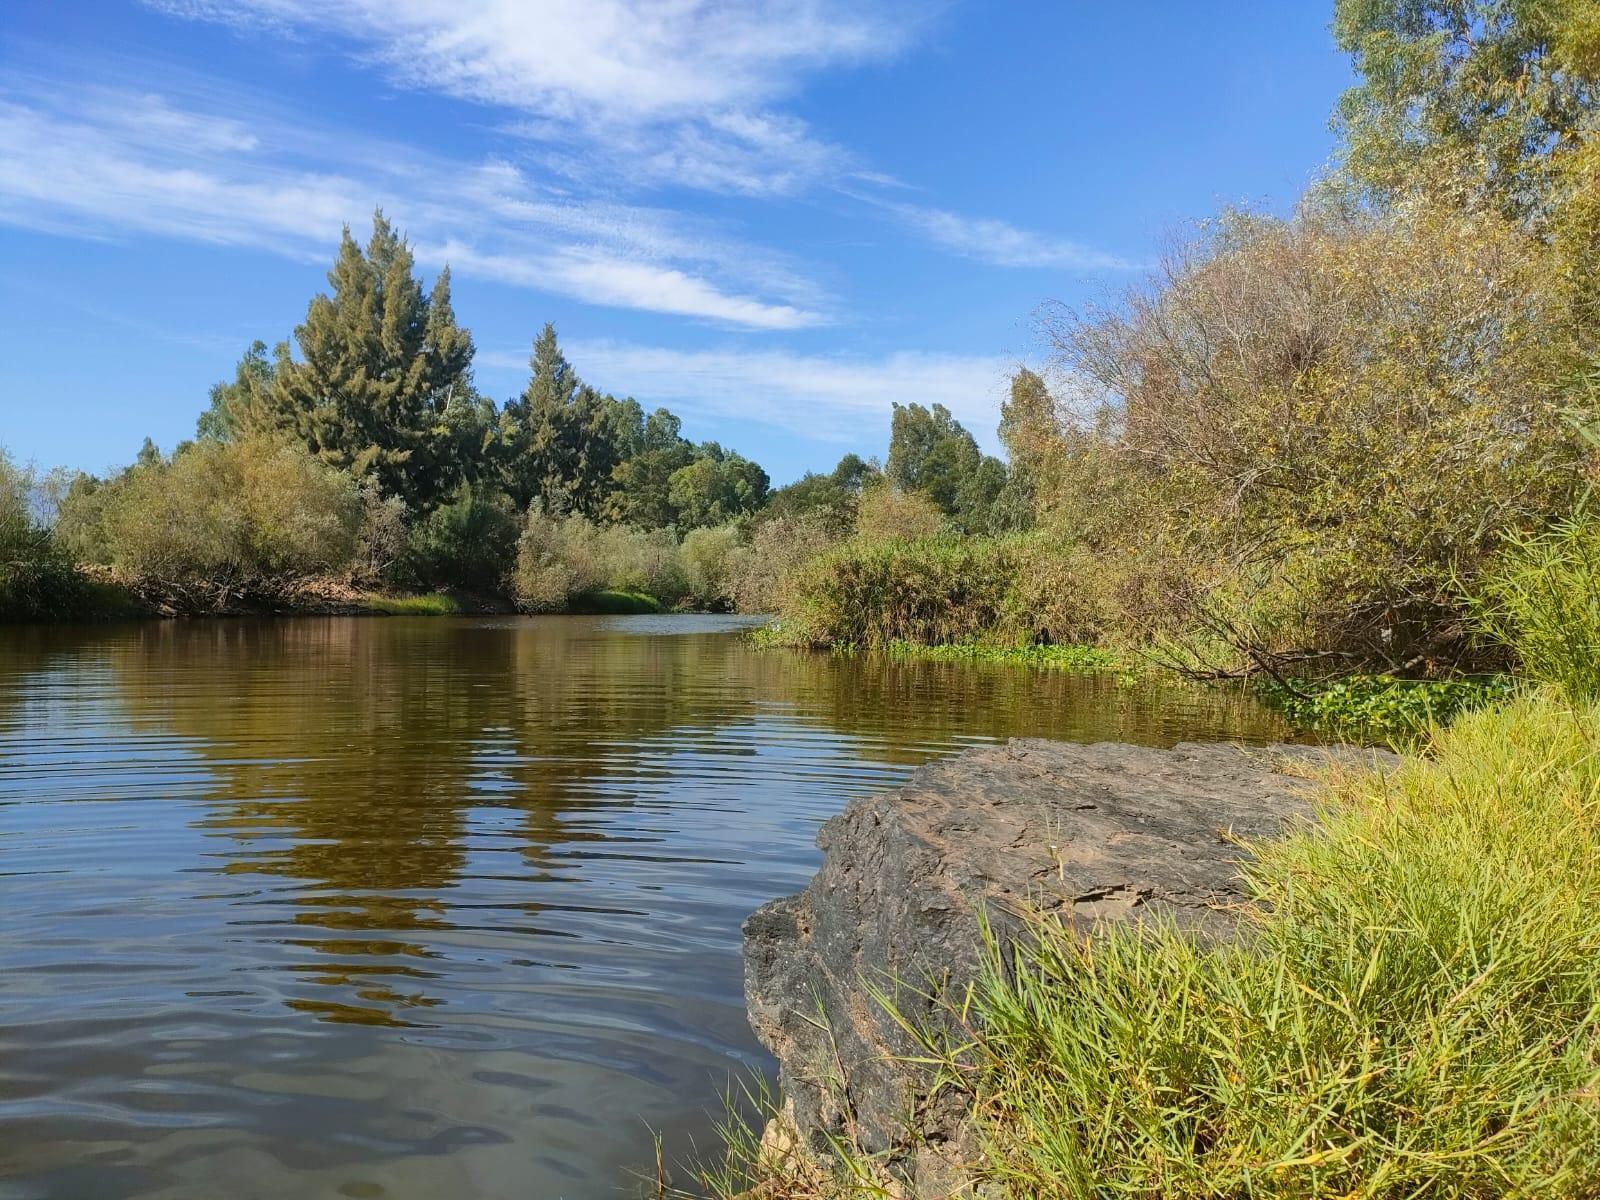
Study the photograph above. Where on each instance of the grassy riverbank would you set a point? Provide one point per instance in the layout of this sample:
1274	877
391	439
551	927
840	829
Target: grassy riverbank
96	596
1410	1009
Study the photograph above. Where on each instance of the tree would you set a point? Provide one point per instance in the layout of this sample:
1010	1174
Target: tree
566	439
830	499
1316	430
930	452
644	480
1493	91
246	404
716	487
379	365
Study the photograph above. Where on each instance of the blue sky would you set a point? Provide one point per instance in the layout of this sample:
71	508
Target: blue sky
776	217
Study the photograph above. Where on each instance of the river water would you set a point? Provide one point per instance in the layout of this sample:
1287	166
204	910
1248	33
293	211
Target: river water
432	909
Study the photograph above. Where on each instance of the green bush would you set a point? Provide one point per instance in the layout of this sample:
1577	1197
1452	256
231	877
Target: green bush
37	578
761	574
1410	1012
710	556
468	542
558	559
256	514
870	593
1541	598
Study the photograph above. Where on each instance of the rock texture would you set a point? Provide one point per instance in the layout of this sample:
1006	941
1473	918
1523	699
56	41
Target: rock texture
1093	833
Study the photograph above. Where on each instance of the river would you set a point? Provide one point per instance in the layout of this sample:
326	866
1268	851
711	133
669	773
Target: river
429	909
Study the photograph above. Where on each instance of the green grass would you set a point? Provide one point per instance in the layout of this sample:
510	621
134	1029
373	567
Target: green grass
1542	600
1056	658
1382	707
1411	1013
437	604
1411	1010
614	603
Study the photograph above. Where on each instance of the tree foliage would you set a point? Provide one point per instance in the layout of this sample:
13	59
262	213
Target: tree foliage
1493	92
379	365
931	453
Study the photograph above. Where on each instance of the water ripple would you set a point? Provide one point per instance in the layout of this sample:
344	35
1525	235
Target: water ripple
415	908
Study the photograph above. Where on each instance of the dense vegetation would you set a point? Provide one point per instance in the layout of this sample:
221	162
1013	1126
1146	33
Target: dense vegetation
1360	439
364	460
1300	449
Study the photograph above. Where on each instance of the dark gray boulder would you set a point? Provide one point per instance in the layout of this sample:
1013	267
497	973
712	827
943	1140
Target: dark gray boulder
1093	833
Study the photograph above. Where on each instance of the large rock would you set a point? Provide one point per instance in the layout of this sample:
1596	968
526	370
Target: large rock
1092	833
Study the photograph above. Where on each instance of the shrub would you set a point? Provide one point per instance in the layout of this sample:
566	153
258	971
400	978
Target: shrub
779	546
468	542
544	580
37	578
710	556
932	590
1340	410
1541	598
1409	1012
383	540
888	512
558	559
256	514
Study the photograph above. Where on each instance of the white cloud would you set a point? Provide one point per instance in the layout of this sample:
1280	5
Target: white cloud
98	162
660	90
1004	245
835	398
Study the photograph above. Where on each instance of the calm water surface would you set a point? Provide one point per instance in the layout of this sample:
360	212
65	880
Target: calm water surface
433	909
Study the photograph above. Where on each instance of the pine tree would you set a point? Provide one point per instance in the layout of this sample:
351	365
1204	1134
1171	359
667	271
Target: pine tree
564	436
244	405
379	366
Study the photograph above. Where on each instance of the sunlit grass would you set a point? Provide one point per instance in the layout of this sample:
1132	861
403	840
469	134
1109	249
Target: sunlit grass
613	602
436	604
1412	1008
1412	1011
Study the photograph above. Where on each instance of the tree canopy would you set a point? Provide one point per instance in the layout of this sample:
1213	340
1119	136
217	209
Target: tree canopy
1492	92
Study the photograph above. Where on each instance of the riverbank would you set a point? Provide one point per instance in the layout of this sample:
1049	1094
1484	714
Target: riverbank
1041	968
99	595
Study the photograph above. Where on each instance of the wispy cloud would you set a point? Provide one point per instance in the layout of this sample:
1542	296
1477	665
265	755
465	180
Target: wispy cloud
837	398
1004	245
103	162
680	91
644	93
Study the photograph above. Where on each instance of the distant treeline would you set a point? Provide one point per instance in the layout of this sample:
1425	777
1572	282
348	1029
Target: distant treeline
364	457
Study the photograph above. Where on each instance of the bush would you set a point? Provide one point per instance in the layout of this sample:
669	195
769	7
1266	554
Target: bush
710	556
932	590
468	542
761	572
888	512
37	578
1334	416
1409	1012
559	559
544	579
254	515
1541	598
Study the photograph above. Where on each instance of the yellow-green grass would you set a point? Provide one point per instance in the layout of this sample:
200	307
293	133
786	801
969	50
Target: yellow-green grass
614	602
435	604
1412	1010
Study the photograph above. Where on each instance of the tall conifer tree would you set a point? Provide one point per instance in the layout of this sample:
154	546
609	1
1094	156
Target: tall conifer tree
379	365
